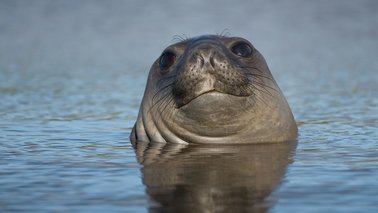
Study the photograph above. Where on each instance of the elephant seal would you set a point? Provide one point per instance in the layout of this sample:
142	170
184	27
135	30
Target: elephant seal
213	89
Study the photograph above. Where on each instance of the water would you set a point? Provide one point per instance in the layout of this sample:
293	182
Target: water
72	74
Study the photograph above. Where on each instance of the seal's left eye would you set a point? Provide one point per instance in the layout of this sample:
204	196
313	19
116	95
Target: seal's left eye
167	59
242	49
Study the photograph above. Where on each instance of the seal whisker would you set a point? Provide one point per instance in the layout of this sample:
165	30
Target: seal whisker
167	78
258	97
171	102
252	67
180	38
224	33
161	90
165	104
265	87
258	80
162	101
263	90
255	74
259	76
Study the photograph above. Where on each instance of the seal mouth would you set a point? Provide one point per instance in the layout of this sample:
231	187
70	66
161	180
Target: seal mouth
187	101
213	91
212	94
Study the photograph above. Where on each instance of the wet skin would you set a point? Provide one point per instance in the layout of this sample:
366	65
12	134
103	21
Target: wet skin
213	89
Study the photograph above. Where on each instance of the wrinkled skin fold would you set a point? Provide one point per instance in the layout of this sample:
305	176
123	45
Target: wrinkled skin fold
213	89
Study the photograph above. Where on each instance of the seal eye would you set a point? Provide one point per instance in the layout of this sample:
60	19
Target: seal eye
167	59
242	49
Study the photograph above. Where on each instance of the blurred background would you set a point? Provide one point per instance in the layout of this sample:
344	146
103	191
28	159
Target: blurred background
304	42
128	33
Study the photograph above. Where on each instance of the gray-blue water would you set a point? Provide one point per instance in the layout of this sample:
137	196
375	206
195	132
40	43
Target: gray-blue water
72	74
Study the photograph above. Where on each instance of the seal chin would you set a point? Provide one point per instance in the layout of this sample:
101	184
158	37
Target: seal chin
212	112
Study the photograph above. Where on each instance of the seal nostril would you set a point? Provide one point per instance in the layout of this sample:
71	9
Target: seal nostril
201	60
212	61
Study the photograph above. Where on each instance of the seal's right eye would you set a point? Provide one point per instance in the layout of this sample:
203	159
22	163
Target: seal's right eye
167	59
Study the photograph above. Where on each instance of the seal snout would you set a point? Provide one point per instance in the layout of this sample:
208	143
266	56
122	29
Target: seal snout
205	54
206	67
198	75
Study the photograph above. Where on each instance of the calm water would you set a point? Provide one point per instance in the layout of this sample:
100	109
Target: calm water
72	74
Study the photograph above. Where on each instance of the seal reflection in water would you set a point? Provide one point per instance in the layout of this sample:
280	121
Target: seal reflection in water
213	89
213	178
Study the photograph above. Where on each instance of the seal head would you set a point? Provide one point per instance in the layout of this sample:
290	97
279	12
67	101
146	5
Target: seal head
213	89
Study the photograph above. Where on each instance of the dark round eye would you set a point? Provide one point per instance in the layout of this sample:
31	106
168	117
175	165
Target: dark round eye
242	49
167	59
